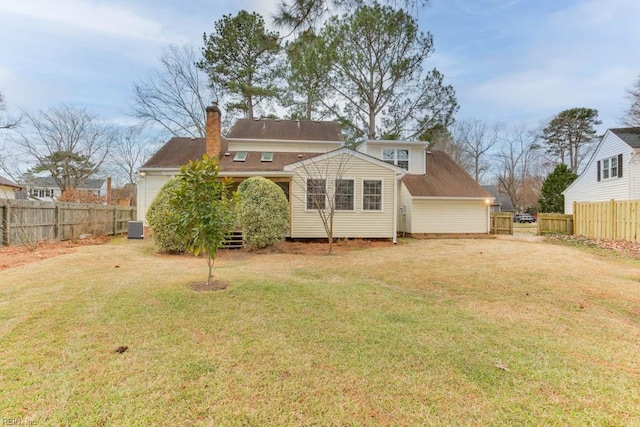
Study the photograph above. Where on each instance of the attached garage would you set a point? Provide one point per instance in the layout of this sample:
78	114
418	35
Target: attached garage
449	216
444	200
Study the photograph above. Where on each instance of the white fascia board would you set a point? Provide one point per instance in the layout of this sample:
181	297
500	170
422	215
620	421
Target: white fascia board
250	174
491	199
159	170
395	142
593	156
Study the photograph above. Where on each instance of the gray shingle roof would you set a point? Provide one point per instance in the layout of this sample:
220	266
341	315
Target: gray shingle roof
631	136
500	199
49	182
293	130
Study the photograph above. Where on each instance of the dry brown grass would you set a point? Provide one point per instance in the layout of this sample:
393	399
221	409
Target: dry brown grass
477	332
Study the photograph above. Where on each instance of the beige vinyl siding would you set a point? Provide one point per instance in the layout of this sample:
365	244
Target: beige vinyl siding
587	188
357	223
7	192
633	168
404	220
283	146
416	154
148	188
449	216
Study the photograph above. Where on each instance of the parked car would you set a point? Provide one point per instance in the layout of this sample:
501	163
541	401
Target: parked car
524	218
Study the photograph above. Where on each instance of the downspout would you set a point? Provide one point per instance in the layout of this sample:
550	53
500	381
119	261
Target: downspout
395	211
631	176
395	205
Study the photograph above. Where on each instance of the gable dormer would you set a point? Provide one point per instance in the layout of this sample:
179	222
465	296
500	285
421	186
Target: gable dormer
409	155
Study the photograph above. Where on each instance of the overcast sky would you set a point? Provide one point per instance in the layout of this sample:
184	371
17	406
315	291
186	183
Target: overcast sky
510	61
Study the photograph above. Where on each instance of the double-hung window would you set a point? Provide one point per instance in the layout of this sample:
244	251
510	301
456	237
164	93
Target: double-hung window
316	193
399	157
610	167
371	195
344	194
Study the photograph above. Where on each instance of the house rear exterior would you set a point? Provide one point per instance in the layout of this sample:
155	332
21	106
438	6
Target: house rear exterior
384	188
436	194
8	189
613	172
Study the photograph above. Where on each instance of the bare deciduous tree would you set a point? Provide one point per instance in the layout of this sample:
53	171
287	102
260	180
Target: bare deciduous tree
131	148
175	96
476	138
69	143
520	172
7	123
321	180
631	115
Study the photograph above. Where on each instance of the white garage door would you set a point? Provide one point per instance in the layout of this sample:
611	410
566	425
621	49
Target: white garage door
449	216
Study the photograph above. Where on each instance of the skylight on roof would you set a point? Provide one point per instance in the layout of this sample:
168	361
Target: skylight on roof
267	157
240	156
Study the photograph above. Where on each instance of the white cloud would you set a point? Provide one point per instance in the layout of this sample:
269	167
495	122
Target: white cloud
88	15
579	56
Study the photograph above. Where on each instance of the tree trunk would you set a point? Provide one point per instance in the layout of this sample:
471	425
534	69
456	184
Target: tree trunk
210	261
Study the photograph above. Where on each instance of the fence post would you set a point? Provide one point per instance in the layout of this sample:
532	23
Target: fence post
57	226
575	217
115	220
6	219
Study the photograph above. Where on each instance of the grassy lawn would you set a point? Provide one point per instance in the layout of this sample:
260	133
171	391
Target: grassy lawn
439	332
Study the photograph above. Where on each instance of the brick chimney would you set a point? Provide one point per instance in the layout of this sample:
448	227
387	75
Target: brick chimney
213	131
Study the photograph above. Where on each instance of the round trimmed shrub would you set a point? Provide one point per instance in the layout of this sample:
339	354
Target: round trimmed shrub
162	218
263	212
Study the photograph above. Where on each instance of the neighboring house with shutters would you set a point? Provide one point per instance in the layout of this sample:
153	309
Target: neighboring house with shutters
379	190
613	172
8	189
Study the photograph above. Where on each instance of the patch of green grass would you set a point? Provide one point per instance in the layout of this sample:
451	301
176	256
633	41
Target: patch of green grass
430	332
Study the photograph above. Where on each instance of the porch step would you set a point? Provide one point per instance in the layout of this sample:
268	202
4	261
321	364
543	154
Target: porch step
234	240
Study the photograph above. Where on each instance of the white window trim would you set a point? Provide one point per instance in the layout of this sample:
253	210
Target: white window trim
395	156
355	193
367	211
306	194
240	156
609	169
267	156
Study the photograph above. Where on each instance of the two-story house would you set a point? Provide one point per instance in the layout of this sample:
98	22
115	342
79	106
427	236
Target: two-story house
45	188
613	172
384	188
436	194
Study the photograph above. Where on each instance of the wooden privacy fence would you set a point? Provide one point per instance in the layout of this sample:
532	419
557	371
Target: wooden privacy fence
27	222
616	220
501	223
554	223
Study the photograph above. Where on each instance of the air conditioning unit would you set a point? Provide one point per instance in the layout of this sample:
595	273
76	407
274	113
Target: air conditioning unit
135	230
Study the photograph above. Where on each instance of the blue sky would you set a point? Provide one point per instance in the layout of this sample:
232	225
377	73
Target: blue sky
510	61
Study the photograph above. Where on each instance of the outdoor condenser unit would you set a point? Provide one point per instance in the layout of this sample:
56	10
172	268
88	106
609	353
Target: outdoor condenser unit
135	230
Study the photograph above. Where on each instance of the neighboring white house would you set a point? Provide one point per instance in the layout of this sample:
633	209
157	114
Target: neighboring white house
383	188
613	172
8	189
47	190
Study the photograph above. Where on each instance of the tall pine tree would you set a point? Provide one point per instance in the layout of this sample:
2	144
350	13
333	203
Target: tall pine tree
242	60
